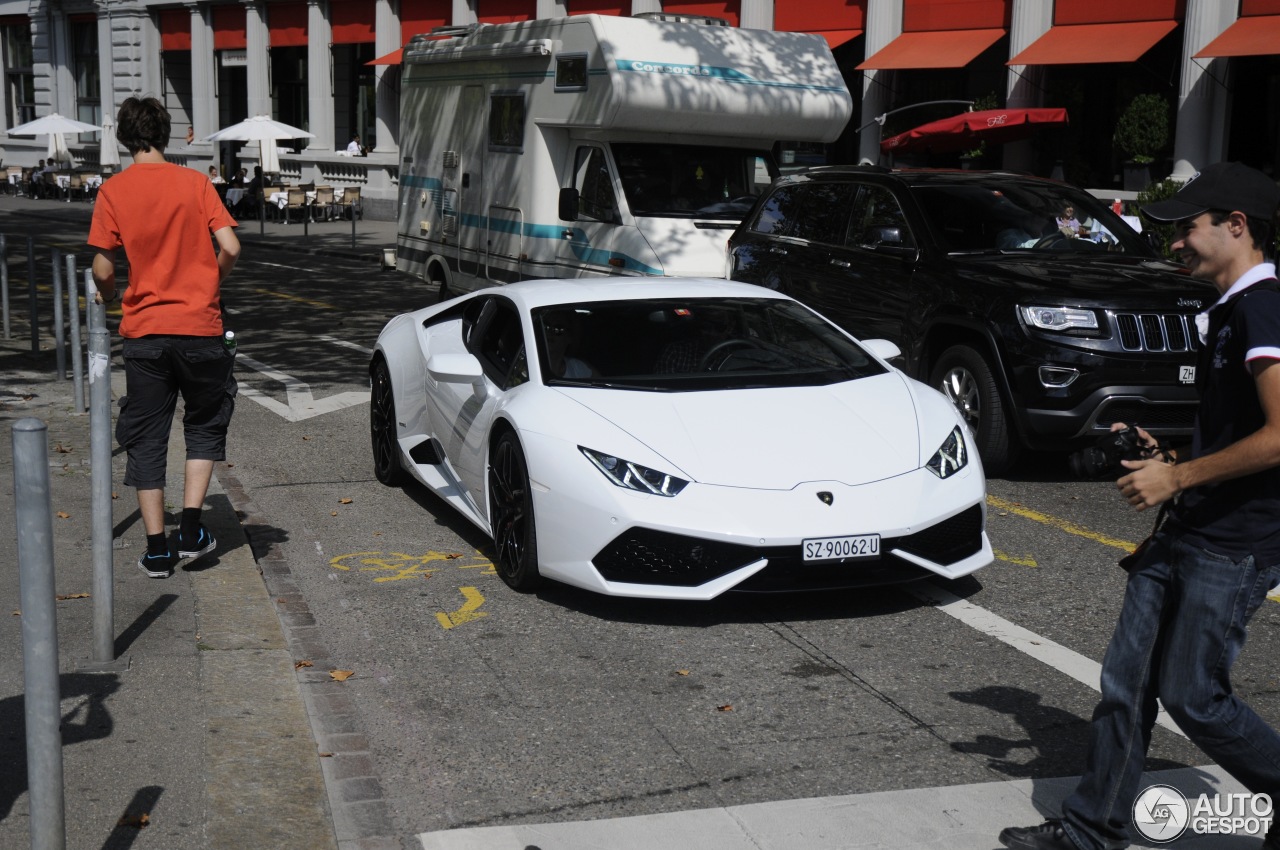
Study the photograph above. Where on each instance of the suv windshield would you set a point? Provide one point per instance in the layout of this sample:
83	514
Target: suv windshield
667	345
691	181
1044	217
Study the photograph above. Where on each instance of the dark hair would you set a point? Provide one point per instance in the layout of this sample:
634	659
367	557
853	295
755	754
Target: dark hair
143	124
1259	231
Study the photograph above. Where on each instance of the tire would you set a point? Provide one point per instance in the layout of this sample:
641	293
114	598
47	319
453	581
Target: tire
382	428
511	516
963	376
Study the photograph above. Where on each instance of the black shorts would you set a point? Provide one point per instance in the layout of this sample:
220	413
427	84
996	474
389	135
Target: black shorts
156	369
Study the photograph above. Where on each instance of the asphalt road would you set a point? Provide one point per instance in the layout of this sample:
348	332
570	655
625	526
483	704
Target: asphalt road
487	707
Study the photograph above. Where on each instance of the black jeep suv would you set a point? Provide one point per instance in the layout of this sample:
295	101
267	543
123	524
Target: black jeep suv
1041	336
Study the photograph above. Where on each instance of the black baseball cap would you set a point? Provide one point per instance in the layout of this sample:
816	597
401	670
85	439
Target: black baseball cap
1221	186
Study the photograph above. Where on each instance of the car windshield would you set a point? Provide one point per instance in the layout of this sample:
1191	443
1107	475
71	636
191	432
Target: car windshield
1042	217
688	344
691	181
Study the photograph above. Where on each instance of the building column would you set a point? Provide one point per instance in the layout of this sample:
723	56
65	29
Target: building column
106	68
320	77
463	13
1025	83
640	6
257	58
135	51
756	14
1201	132
551	9
204	104
884	24
387	77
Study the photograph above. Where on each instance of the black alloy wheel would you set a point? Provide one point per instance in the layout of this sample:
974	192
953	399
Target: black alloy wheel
511	515
382	428
963	376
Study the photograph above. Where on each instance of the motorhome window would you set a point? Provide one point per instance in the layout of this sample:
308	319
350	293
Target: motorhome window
571	72
596	201
506	121
689	181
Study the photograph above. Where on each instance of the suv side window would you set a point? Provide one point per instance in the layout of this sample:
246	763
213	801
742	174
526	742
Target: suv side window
776	212
821	212
878	220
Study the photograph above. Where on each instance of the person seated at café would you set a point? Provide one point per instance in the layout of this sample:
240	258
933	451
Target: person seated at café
1068	223
354	148
238	179
214	176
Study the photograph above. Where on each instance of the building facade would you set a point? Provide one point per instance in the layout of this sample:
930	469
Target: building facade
330	67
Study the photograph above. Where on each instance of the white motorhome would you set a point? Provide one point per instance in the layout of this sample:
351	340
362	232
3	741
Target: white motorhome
597	145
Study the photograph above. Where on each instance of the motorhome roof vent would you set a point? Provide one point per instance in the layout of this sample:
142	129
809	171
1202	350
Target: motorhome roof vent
673	18
450	159
453	31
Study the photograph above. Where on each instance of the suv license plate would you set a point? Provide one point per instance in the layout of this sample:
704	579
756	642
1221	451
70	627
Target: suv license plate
842	548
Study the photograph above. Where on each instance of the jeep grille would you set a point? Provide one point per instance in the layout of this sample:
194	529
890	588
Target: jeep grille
1156	332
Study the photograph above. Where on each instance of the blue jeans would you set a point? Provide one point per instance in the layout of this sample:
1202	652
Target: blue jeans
1180	630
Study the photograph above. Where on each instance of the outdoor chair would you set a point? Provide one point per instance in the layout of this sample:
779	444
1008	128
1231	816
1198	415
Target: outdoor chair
297	204
323	204
350	203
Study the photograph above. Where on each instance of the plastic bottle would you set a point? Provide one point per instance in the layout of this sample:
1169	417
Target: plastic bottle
229	341
1117	207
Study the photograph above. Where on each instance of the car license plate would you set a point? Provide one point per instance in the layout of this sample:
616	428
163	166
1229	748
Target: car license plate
842	548
1186	374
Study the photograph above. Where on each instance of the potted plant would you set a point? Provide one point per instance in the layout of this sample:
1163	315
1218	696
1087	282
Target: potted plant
1141	133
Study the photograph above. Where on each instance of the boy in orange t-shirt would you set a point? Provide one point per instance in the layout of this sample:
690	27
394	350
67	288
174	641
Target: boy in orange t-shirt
162	215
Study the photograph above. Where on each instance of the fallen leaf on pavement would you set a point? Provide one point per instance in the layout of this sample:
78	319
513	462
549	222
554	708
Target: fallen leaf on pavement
17	612
62	596
452	555
115	495
682	672
341	675
63	515
61	449
298	665
344	501
724	708
325	755
135	821
333	513
306	438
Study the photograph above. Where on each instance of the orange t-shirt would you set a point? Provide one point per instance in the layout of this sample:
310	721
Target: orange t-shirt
163	215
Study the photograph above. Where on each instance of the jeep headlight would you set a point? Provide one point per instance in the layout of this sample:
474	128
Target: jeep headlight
1060	318
951	457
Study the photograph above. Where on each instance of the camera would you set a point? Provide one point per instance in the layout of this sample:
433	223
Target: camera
1104	456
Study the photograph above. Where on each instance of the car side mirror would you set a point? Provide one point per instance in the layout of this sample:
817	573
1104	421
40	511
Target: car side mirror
878	236
454	368
569	204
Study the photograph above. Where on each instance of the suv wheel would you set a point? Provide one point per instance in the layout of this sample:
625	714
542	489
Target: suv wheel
964	377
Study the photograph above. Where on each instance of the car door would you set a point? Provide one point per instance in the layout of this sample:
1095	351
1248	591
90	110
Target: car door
462	413
760	251
807	252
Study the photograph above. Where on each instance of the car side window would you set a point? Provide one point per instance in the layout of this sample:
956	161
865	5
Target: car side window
821	212
596	200
776	212
878	220
500	347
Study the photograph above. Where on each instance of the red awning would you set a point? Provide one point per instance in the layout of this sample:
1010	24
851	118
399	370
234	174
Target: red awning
935	49
968	129
1258	35
1088	44
395	57
835	38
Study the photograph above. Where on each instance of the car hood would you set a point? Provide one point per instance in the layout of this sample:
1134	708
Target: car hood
1119	282
853	432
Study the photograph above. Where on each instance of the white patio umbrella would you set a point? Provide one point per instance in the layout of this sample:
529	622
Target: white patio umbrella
109	154
54	126
266	131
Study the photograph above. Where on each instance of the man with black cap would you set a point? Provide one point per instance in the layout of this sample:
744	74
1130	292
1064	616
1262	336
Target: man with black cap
1202	576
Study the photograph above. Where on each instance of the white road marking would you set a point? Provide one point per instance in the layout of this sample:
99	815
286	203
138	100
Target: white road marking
301	404
1084	670
345	344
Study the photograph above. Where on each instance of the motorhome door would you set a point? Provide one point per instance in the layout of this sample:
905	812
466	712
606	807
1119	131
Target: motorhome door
471	142
589	246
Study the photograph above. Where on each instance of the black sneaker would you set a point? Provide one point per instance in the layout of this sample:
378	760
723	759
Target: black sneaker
202	545
156	566
1047	836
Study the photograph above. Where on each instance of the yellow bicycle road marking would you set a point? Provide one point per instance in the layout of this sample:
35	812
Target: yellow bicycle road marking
326	305
467	612
398	565
1061	524
1025	561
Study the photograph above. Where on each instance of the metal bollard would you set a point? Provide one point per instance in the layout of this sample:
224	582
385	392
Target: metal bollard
59	350
77	354
100	461
31	290
4	281
33	505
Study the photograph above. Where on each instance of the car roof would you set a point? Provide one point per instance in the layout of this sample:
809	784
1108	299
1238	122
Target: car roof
530	294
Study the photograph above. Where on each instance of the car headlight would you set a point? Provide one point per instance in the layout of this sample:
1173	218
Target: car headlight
1060	318
951	457
633	476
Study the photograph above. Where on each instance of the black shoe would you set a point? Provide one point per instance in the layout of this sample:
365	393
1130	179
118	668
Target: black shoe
203	544
156	566
1046	836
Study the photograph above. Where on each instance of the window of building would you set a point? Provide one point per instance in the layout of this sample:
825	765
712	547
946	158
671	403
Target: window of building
19	76
84	63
